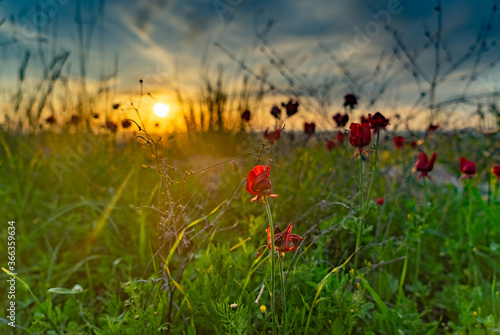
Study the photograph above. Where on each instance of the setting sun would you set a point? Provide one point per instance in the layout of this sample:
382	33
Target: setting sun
161	109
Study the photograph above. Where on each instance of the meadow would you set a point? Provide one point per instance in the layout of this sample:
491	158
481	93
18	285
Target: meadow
135	236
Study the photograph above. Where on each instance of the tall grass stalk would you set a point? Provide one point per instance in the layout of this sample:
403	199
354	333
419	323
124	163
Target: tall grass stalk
361	210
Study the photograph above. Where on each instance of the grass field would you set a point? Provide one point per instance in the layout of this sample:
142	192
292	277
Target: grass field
122	236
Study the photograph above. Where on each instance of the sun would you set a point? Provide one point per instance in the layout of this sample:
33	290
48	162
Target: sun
161	109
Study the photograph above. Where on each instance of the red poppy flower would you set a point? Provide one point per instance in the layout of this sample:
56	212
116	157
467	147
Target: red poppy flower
468	168
51	120
424	165
379	201
360	137
309	128
126	123
340	136
282	240
276	112
329	145
364	119
377	121
399	141
413	144
245	116
75	119
495	169
341	120
350	100
111	126
291	107
272	137
258	182
433	127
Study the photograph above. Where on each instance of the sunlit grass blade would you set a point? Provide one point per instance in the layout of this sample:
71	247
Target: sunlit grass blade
179	287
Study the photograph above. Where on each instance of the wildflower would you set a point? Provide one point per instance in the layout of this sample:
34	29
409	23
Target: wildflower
399	142
271	137
126	123
75	119
495	169
263	309
340	120
350	100
413	144
377	121
233	306
258	182
282	240
309	128
245	116
424	165
111	126
291	107
360	137
51	120
468	168
380	201
433	127
276	112
329	145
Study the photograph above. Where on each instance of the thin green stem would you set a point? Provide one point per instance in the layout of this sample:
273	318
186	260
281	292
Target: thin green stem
361	211
283	297
373	166
273	296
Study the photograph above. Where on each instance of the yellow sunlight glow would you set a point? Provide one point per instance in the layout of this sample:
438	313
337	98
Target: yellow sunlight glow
161	109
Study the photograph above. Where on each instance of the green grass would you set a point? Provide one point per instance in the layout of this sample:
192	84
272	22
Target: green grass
94	213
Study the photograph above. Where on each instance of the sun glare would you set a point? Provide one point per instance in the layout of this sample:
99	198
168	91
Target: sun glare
161	109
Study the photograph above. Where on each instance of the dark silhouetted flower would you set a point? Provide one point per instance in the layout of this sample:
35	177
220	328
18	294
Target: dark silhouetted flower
276	112
272	137
245	116
377	121
340	136
413	144
424	165
51	120
365	119
291	107
433	127
350	100
126	123
468	168
399	142
75	119
360	137
495	169
115	106
111	126
282	240
341	119
379	201
258	182
309	128
329	145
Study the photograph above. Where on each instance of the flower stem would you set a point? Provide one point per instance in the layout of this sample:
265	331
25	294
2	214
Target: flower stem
374	165
283	297
273	297
361	211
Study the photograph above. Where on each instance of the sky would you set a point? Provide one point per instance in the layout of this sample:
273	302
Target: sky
312	51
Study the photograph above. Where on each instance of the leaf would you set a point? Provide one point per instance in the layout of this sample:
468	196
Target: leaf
385	310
